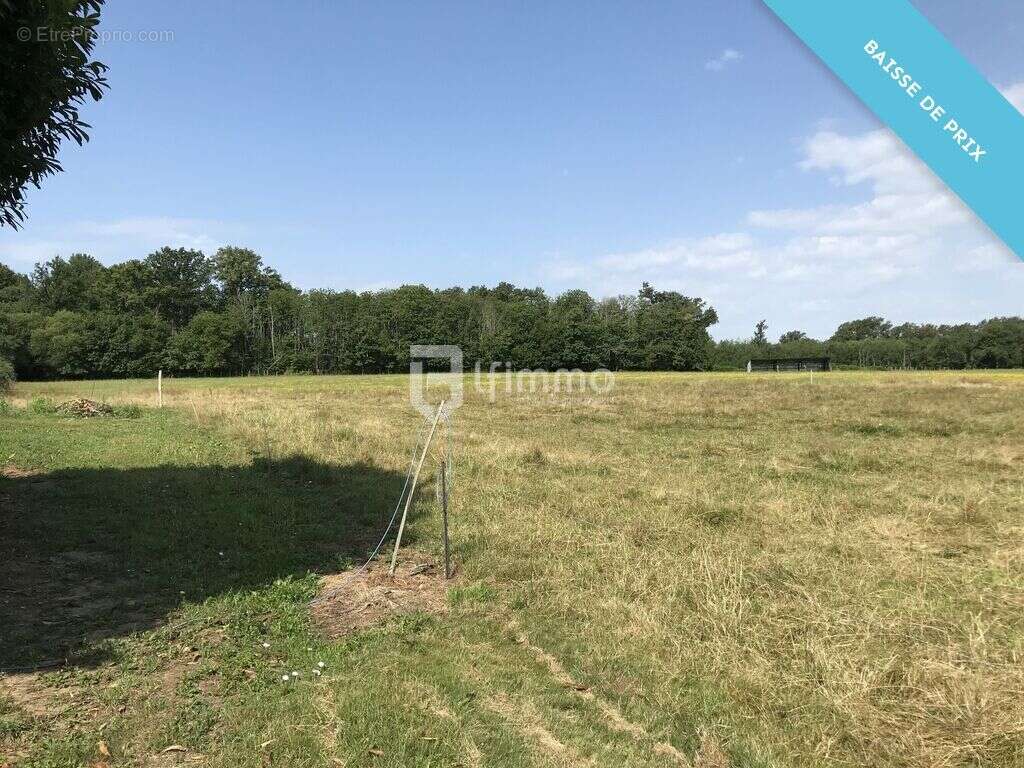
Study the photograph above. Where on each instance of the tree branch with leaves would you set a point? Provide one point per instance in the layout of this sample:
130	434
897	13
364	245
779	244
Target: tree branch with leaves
47	74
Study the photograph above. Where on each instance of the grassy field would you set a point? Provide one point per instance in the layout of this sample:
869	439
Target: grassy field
716	570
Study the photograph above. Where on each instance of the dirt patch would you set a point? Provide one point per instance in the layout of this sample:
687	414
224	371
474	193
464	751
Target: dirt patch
173	755
171	677
12	472
710	755
354	600
32	695
28	694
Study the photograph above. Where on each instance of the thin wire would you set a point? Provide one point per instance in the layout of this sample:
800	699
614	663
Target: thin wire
394	515
391	523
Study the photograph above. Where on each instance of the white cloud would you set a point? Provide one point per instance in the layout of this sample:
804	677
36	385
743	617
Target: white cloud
114	240
728	251
182	233
877	157
1015	95
987	257
909	248
720	62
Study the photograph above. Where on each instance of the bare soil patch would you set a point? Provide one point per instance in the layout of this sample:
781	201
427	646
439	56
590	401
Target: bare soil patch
11	472
355	600
30	694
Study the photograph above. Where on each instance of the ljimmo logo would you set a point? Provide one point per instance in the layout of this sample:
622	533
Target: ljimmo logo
453	377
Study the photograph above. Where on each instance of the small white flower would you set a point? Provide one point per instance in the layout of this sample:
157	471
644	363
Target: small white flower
284	678
266	645
295	674
321	664
317	672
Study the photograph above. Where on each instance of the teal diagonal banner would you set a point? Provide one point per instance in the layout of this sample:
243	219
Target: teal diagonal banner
929	94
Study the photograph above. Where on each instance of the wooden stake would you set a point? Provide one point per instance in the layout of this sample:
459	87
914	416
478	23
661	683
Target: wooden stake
160	387
412	489
444	518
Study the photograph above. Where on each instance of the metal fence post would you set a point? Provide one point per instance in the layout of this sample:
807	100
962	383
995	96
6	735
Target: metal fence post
444	518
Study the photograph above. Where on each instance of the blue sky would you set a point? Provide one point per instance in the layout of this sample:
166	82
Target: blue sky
696	145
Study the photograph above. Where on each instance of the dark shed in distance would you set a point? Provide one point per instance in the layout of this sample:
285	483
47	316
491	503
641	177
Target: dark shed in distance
790	364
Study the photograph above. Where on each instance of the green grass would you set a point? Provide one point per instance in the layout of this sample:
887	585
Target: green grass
764	570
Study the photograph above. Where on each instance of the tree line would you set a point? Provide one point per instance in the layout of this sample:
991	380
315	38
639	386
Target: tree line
189	314
229	314
875	343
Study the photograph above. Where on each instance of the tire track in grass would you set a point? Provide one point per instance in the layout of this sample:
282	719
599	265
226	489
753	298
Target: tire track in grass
524	716
611	715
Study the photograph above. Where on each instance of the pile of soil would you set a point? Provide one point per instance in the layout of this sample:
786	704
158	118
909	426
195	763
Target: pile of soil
84	409
355	600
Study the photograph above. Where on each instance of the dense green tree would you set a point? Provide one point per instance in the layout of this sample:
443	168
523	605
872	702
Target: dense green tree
43	81
136	346
245	285
241	272
575	332
761	332
15	337
618	329
791	336
14	288
209	344
525	336
69	344
178	284
7	375
865	328
123	287
999	343
70	284
672	332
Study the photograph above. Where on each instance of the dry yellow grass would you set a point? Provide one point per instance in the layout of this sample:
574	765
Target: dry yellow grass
803	570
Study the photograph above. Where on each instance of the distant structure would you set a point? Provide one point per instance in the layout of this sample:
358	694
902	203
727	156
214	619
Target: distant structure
789	364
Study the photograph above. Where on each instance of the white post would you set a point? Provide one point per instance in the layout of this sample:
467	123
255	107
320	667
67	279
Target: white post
160	387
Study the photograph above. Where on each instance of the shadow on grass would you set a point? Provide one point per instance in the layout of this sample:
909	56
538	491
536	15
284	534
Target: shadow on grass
92	554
